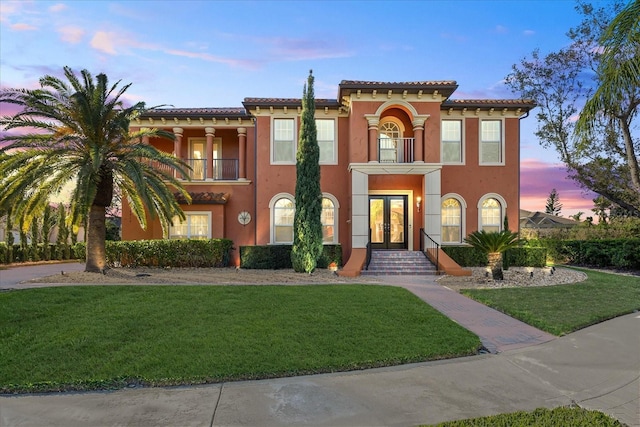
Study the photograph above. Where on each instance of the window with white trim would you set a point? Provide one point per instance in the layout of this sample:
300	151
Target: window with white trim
451	221
197	225
283	145
451	149
491	215
491	142
283	213
326	135
328	218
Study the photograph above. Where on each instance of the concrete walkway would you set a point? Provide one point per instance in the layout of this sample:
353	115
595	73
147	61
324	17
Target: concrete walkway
597	368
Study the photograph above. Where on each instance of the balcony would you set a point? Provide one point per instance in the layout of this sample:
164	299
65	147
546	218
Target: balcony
395	150
223	169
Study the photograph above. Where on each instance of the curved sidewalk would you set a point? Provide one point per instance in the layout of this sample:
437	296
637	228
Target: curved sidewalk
497	331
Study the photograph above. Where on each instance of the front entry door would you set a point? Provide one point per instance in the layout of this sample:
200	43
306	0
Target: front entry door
388	222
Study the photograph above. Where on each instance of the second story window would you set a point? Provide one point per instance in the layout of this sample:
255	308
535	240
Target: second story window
283	146
451	150
327	140
491	142
390	147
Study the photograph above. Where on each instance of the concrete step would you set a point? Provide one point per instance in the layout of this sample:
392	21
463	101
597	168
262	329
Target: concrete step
398	262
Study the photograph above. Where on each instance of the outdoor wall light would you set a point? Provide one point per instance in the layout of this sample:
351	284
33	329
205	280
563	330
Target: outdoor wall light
418	201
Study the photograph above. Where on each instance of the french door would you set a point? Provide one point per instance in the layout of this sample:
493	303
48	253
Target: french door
388	222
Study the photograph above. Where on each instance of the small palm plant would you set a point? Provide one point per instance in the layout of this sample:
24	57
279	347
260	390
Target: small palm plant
493	244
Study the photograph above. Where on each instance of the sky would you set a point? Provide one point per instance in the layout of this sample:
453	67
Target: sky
215	53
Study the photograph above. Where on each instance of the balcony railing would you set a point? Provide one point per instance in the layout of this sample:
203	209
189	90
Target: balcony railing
223	169
395	150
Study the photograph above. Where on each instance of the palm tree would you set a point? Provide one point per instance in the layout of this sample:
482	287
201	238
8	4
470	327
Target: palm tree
77	133
493	244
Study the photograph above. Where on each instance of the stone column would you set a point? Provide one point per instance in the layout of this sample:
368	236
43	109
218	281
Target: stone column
242	154
418	140
431	205
373	139
210	133
359	209
177	146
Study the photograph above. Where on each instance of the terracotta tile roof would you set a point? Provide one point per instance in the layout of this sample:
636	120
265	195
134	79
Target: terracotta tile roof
443	87
204	198
286	102
424	83
489	103
197	112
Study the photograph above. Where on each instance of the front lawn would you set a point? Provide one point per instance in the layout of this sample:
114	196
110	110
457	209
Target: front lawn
97	337
562	309
541	417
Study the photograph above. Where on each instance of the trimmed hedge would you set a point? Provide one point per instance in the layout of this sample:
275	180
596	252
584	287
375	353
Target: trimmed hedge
17	254
165	253
276	257
468	256
617	253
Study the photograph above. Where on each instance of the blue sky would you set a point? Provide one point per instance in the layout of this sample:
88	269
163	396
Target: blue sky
216	53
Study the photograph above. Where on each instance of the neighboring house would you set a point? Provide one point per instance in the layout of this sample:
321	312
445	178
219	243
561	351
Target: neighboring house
535	224
396	158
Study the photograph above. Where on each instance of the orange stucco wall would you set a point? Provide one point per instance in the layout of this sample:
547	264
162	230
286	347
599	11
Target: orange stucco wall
355	145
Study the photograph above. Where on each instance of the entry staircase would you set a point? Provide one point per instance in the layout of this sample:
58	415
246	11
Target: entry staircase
398	262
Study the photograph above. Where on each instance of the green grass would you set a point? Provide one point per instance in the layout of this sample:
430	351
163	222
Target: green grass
541	417
98	337
566	308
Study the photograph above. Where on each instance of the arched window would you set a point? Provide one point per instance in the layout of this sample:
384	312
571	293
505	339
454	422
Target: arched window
283	210
491	215
329	219
391	148
282	213
451	221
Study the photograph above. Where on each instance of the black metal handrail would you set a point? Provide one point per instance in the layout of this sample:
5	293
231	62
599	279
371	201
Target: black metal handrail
395	150
368	260
430	248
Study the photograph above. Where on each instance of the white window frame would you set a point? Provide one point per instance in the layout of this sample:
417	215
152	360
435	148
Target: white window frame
459	141
188	235
503	210
272	216
332	142
199	172
482	141
463	216
293	141
336	212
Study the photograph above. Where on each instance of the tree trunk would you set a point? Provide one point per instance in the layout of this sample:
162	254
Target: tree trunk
495	264
96	236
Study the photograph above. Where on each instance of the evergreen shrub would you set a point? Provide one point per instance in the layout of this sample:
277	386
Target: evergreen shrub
276	257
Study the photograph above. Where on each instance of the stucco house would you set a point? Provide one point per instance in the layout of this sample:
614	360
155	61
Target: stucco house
398	161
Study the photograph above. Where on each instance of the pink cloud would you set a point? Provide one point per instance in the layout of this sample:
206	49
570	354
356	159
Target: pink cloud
23	27
538	178
71	34
59	7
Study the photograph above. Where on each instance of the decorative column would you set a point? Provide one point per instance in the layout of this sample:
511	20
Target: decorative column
432	205
145	139
177	146
373	138
210	133
418	143
242	154
359	209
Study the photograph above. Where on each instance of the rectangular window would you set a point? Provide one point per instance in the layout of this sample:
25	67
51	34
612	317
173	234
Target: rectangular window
491	142
195	226
451	149
327	140
283	148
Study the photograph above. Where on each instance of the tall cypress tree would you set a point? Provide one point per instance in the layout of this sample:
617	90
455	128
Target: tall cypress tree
307	226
